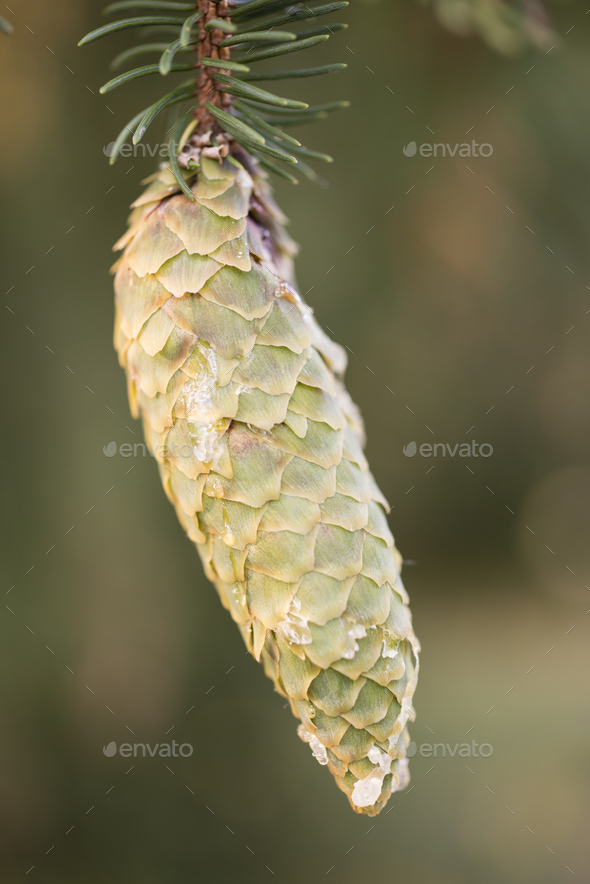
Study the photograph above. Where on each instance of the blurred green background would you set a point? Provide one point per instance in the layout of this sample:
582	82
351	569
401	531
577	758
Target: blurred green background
446	301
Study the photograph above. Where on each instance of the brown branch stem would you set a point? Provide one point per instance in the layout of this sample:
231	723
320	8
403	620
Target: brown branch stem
208	47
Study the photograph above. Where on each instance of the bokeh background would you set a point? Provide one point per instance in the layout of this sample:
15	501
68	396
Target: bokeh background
461	289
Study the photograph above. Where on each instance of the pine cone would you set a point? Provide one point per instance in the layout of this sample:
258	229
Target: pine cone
260	450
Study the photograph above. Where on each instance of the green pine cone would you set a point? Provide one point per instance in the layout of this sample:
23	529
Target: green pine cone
260	450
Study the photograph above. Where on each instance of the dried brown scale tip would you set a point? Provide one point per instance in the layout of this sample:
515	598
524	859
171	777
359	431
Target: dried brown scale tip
260	451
